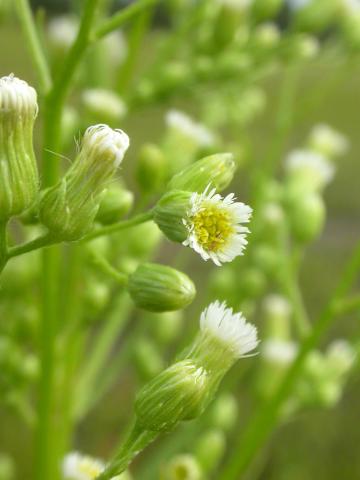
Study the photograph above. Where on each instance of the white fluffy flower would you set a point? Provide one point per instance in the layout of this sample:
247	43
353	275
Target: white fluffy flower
182	122
105	143
313	164
281	352
214	226
328	141
62	31
230	328
81	467
277	305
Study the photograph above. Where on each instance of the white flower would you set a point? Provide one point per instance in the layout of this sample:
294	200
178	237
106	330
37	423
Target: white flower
281	352
214	226
341	355
17	97
103	142
230	328
62	31
81	467
313	164
186	125
328	141
104	102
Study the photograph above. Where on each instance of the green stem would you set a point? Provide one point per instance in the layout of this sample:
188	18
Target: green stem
108	269
34	44
265	420
116	227
137	440
43	241
117	20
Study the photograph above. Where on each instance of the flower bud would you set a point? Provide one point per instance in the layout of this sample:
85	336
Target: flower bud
160	288
19	181
277	311
115	203
216	170
307	171
182	467
169	213
7	467
178	393
69	208
210	448
266	36
304	47
307	217
151	168
103	105
62	32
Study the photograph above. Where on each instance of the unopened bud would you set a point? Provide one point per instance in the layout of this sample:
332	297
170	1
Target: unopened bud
176	394
19	181
115	203
216	170
69	208
307	217
160	288
169	213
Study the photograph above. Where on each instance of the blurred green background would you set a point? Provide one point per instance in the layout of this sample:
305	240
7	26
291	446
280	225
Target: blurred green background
317	444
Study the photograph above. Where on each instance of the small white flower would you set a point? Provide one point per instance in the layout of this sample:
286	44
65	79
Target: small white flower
104	102
231	328
281	352
16	96
182	122
104	142
81	467
214	226
328	141
311	163
341	354
62	31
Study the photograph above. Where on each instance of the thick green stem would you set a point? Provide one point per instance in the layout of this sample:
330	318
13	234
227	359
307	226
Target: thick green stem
116	227
137	440
43	241
265	420
34	44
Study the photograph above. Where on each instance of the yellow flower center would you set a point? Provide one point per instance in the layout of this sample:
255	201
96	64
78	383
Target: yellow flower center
89	468
212	227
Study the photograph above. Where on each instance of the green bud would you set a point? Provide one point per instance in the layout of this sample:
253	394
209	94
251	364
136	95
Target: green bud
151	169
224	412
307	217
182	467
169	213
69	208
304	47
266	36
115	203
253	282
160	288
19	181
134	240
264	9
266	258
210	448
217	170
147	359
176	394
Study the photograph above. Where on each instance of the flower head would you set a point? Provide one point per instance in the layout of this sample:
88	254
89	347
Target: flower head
17	97
327	141
105	144
214	226
278	351
230	328
81	467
